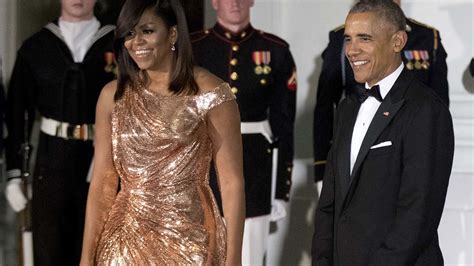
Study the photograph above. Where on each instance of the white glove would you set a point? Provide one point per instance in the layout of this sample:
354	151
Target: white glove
278	210
15	195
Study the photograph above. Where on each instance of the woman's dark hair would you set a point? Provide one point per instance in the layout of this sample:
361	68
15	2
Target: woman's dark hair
171	12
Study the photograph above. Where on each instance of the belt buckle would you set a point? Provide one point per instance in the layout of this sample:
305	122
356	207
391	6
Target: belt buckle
74	131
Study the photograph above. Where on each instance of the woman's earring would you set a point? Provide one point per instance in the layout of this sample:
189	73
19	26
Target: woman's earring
172	47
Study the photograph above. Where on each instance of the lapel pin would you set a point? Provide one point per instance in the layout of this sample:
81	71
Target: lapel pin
386	113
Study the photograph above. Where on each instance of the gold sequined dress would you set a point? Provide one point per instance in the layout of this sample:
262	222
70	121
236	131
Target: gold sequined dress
165	212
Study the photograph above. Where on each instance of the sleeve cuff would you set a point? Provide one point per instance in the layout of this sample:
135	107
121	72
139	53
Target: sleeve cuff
13	173
319	171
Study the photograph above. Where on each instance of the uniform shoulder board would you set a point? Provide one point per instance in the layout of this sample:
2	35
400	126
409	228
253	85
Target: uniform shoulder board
421	24
199	35
339	28
273	38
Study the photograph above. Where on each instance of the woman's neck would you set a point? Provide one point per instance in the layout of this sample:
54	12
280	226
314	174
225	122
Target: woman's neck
159	82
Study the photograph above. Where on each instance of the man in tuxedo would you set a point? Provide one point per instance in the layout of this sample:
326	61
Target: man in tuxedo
388	169
424	55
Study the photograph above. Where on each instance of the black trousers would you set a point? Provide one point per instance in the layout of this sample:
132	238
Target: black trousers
59	199
257	153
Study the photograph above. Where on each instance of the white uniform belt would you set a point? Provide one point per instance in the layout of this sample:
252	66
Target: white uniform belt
67	131
261	127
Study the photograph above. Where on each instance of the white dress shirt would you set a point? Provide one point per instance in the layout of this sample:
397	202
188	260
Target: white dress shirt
367	111
78	36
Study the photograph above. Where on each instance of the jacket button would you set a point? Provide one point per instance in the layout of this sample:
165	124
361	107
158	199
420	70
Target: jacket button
235	47
234	90
234	76
234	62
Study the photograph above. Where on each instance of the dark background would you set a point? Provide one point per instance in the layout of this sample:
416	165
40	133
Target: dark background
108	11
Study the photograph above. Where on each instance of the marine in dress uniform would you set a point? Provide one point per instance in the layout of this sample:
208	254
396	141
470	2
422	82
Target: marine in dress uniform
261	72
49	78
423	55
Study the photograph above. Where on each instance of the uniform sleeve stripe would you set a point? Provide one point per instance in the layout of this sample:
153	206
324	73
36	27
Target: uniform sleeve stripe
320	162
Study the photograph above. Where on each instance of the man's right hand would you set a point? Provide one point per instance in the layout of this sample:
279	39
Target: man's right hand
15	196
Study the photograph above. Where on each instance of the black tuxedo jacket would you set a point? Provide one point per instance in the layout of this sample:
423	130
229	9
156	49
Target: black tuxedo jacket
388	210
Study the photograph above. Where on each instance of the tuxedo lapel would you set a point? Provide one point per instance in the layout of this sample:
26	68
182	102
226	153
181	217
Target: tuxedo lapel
385	113
344	151
382	118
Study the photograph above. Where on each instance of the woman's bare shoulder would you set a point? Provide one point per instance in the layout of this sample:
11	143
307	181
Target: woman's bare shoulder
110	89
205	80
106	98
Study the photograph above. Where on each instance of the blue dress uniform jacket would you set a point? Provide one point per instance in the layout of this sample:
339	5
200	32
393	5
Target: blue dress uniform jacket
261	72
424	56
46	79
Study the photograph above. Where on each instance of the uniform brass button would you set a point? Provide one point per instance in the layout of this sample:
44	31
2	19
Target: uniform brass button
288	182
243	34
227	34
269	151
234	76
288	169
263	81
206	31
235	47
234	90
234	62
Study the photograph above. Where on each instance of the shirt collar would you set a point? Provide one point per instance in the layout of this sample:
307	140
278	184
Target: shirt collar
77	25
231	36
387	83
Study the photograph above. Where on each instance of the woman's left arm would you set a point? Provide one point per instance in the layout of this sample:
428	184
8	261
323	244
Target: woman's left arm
224	131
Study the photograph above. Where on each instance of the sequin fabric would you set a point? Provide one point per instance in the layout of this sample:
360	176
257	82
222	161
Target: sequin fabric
165	212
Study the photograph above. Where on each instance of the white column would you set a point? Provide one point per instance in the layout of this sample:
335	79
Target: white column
8	30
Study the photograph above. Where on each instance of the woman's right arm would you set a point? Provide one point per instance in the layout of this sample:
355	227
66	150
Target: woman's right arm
104	183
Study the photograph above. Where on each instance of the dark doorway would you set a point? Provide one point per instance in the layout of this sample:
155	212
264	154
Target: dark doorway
108	10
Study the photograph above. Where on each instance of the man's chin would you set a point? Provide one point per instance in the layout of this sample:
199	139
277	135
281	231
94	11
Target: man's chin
360	79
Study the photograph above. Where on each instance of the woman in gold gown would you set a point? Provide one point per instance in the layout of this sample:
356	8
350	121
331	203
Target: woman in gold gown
157	129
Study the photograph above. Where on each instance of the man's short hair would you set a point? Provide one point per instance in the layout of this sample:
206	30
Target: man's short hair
386	9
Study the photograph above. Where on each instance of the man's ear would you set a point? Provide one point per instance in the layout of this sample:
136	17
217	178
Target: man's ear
215	4
399	40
